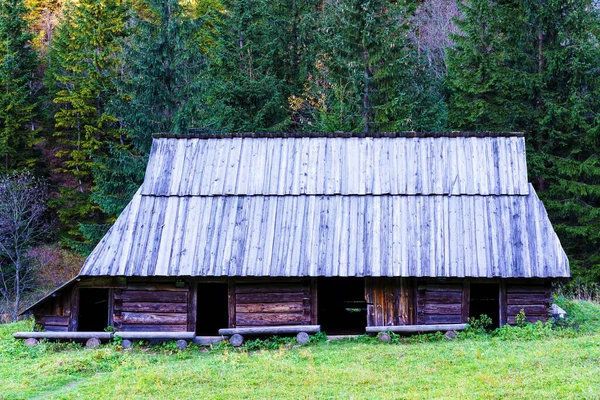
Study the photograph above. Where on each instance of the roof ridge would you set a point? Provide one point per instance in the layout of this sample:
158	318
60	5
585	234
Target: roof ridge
196	134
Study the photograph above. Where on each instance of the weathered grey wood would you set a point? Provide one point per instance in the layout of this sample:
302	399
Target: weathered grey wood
157	335
260	319
236	340
415	328
271	330
63	335
302	338
183	225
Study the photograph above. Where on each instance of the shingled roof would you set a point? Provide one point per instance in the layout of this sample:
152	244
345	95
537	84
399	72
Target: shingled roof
384	204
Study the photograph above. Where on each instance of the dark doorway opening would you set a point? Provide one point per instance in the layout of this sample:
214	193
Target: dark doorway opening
213	308
93	310
341	305
485	299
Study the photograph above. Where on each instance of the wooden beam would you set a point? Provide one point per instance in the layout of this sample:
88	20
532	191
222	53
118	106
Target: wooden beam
192	306
74	320
231	301
271	330
466	299
314	309
64	335
502	303
415	328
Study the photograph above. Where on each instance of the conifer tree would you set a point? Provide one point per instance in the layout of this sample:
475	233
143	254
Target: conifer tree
86	65
531	66
17	74
369	72
264	56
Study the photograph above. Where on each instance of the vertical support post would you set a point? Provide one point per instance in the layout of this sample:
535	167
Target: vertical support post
502	303
466	299
231	300
314	305
192	304
111	307
74	320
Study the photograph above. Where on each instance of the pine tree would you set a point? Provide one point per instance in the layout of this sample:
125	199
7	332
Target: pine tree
17	74
531	66
85	67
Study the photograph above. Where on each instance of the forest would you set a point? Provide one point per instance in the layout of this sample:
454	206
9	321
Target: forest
85	83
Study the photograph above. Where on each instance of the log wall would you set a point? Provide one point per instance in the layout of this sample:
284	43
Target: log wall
268	303
389	301
54	315
440	302
159	307
534	299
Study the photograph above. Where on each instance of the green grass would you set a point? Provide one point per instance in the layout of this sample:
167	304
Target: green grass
562	364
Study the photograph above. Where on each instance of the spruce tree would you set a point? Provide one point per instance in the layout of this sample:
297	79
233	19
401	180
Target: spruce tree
18	63
531	66
84	53
263	56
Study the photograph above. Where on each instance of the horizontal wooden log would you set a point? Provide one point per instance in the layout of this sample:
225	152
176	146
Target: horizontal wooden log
270	297
440	308
103	282
151	307
442	287
270	307
55	320
167	287
56	328
271	330
151	318
416	328
428	319
527	299
526	289
253	319
157	335
528	318
63	335
160	296
149	328
275	288
440	297
528	309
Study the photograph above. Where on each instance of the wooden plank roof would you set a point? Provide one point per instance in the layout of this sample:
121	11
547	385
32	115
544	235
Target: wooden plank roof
428	205
436	236
328	166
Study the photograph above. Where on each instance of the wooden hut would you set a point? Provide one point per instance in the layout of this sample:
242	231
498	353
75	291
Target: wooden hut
342	232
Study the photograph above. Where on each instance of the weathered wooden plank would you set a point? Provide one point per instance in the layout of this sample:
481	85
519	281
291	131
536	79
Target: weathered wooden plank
58	334
441	287
439	297
167	287
151	307
150	328
271	330
56	328
151	318
522	299
528	309
270	297
269	307
528	318
158	296
269	288
441	308
525	288
55	320
415	328
438	319
466	299
246	319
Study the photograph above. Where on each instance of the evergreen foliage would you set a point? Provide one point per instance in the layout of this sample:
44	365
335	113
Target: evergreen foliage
369	75
263	55
18	63
532	66
85	68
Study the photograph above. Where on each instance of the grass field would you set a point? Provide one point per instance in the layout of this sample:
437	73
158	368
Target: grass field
527	363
